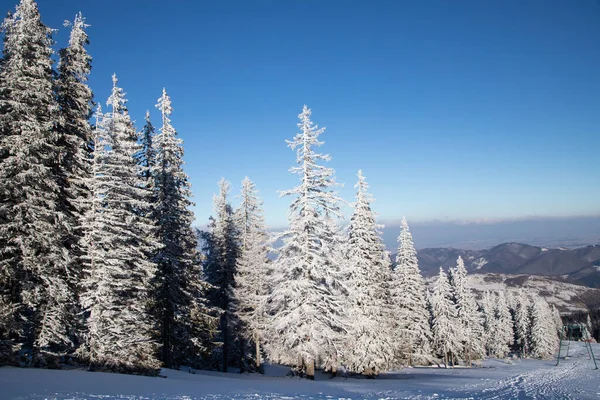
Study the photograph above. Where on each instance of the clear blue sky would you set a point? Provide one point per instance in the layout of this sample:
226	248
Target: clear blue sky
453	109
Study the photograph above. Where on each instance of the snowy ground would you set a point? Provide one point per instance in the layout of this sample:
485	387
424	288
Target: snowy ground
575	378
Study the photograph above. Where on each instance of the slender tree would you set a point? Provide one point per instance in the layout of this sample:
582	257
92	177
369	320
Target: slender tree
120	269
447	336
179	303
75	101
558	320
523	324
505	328
468	315
252	276
409	305
544	338
222	251
146	157
305	305
368	350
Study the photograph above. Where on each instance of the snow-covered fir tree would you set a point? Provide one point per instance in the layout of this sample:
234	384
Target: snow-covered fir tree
558	320
587	334
146	157
121	242
34	264
446	328
220	265
178	299
488	310
468	314
522	318
409	305
74	129
498	324
544	338
369	346
305	306
252	274
75	103
504	329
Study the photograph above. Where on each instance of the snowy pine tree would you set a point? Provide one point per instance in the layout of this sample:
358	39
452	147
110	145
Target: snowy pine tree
467	313
146	157
75	139
498	324
523	324
544	338
369	345
447	335
409	305
504	329
179	303
35	266
121	242
222	252
305	305
558	320
252	274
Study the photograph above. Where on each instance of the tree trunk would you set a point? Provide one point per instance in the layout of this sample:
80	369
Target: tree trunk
166	345
469	355
225	340
310	369
242	355
257	340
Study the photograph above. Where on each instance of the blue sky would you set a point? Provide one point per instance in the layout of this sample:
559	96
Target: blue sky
454	110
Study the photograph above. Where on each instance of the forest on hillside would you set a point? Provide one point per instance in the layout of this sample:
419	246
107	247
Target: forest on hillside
100	265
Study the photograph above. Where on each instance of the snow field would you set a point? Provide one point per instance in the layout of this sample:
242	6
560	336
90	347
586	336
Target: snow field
574	378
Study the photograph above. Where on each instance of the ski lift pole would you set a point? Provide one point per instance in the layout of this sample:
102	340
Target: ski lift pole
589	343
562	334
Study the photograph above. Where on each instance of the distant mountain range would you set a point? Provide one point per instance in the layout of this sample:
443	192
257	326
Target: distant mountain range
579	266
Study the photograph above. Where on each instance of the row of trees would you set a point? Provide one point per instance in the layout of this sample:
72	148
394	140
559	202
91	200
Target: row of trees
98	259
329	296
99	262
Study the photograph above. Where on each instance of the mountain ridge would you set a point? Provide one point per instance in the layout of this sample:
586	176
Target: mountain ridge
579	266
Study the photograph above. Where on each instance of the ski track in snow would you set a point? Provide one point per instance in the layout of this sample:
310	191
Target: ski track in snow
567	381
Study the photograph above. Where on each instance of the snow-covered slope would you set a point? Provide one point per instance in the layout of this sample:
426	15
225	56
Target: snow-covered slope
567	297
574	378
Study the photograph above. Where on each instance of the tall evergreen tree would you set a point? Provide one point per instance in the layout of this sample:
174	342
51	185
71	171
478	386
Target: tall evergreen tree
544	338
523	324
467	313
252	275
146	157
498	324
179	303
447	336
505	329
368	349
559	323
222	253
75	140
35	265
306	309
487	308
409	304
121	242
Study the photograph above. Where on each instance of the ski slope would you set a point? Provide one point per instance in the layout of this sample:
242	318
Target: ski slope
574	378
